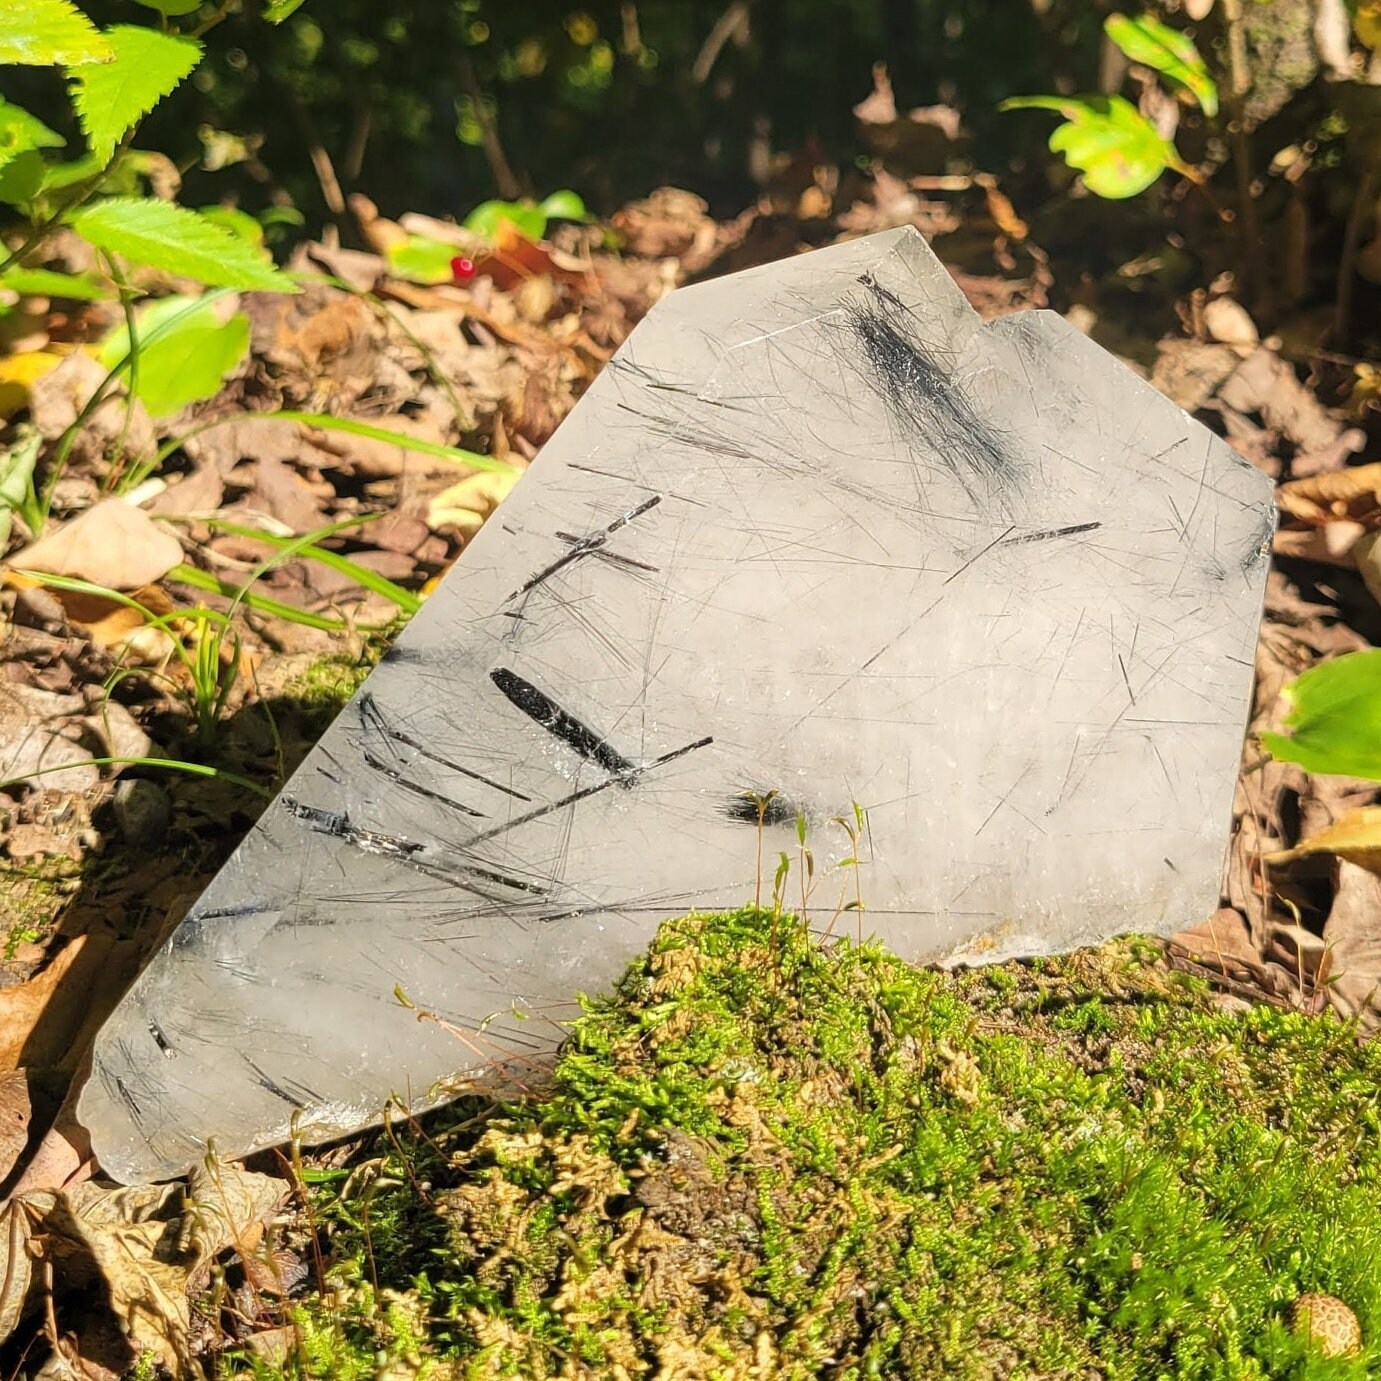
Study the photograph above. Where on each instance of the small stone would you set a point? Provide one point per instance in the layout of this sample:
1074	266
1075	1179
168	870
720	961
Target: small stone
142	811
1328	1323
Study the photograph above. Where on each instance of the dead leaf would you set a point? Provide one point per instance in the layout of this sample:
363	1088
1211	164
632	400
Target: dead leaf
113	428
1189	372
1266	384
1366	552
1356	837
38	732
142	1246
1353	936
466	504
18	374
26	1004
15	1112
1230	323
1332	543
513	258
112	544
1353	493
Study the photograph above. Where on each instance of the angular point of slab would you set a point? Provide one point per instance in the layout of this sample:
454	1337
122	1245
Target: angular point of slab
814	530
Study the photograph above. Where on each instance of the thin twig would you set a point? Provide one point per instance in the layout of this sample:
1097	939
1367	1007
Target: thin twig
1239	83
1352	239
733	23
508	185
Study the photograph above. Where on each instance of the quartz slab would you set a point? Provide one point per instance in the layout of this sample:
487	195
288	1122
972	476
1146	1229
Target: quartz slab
815	531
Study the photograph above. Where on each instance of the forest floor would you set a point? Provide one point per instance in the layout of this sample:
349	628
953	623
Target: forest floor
102	858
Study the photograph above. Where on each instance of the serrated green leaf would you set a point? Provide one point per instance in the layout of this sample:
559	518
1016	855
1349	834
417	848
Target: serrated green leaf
112	97
49	33
175	240
76	287
1168	51
185	351
564	205
1118	150
1334	718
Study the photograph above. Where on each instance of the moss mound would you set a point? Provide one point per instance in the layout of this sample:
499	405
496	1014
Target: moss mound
761	1158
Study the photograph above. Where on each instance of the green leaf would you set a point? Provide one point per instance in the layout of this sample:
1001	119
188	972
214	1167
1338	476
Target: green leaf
276	11
1334	718
488	216
49	33
564	205
17	462
112	97
175	240
76	287
172	8
22	178
1118	150
20	132
1168	51
238	222
421	260
185	351
56	176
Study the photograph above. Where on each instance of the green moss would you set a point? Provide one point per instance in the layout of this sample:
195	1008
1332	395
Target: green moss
764	1158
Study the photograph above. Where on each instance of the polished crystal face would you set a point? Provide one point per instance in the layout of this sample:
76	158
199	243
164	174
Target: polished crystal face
816	531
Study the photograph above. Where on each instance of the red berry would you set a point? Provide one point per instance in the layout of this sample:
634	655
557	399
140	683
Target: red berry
462	269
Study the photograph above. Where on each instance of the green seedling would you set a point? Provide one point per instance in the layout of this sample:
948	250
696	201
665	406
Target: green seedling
1116	148
203	640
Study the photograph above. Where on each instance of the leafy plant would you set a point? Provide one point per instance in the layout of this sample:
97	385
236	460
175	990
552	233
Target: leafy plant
1118	150
1334	718
527	217
175	352
422	259
189	357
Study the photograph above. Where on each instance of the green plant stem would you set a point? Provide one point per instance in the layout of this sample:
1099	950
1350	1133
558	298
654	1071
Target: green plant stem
195	769
132	391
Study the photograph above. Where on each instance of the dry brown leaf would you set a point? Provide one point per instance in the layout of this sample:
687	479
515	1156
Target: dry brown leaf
1231	324
1353	936
144	1244
1351	494
1356	837
1330	543
15	1113
25	1005
1266	384
111	544
114	427
38	732
1366	551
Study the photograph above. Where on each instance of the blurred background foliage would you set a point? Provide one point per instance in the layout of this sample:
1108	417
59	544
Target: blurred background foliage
413	100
